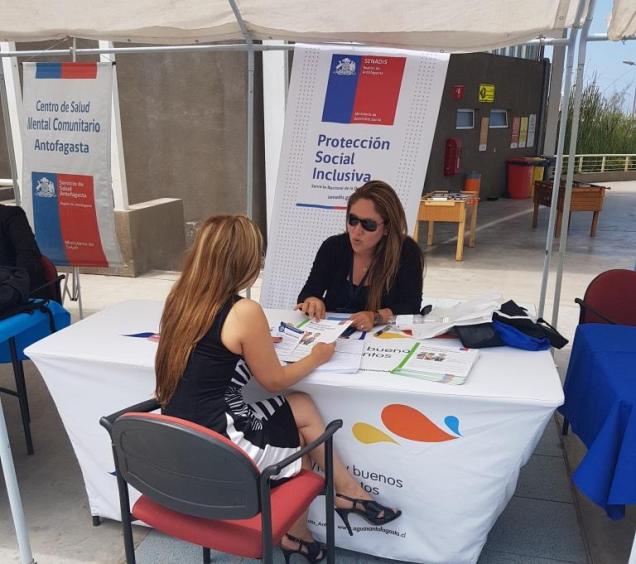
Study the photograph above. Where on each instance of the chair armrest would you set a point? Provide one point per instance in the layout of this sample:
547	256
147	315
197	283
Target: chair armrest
56	280
588	307
144	407
274	469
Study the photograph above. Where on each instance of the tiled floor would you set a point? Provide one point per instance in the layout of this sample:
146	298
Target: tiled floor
546	521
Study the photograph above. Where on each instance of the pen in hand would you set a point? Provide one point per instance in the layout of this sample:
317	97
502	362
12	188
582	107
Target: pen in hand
384	329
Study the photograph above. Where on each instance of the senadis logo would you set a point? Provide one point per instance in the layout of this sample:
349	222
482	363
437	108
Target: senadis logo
408	423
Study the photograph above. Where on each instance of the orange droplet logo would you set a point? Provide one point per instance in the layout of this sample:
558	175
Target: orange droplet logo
409	423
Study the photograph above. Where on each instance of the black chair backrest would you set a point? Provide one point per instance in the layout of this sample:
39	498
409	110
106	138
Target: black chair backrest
185	467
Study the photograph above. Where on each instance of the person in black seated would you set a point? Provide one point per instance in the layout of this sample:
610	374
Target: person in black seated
17	244
374	270
212	343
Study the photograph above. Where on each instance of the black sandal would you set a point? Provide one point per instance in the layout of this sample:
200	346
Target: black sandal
312	551
370	512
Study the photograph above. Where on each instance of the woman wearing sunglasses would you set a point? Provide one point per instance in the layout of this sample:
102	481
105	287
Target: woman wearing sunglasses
374	270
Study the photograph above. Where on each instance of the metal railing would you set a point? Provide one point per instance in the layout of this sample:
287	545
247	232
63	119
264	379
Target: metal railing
602	163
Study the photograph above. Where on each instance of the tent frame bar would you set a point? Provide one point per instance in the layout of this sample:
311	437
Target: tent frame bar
567	200
558	168
156	49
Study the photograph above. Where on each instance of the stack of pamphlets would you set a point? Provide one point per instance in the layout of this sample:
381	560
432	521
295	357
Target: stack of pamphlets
298	340
437	363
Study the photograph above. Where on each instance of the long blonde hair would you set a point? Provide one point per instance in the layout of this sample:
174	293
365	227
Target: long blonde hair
386	260
224	259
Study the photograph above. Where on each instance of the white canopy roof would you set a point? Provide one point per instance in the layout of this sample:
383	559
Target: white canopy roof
623	20
451	25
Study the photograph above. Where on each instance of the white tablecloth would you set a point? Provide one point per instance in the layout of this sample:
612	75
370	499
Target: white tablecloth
448	456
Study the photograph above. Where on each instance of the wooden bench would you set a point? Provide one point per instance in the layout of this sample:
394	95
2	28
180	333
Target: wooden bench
585	197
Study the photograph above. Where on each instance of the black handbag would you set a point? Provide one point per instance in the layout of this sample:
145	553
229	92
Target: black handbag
478	336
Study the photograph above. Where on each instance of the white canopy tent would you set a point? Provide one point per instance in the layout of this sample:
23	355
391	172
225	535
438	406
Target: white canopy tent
467	25
434	25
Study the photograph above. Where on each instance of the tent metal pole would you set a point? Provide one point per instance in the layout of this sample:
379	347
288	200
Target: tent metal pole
7	130
558	168
567	200
249	172
13	493
249	153
155	49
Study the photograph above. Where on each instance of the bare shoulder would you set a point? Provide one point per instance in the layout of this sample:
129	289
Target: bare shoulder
245	320
247	310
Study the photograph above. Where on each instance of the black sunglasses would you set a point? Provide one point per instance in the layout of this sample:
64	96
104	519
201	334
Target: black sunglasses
367	224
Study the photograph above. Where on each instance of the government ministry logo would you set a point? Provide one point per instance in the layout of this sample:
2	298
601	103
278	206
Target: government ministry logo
346	67
45	188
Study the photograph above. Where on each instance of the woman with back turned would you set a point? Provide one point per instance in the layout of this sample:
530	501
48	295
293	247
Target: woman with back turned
373	270
213	341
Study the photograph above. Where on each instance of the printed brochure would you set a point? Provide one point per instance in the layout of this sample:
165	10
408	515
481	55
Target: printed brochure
448	365
297	342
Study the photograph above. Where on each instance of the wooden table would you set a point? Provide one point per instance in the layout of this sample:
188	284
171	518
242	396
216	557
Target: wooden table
453	211
585	197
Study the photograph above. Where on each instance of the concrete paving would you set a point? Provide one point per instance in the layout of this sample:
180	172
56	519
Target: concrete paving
508	257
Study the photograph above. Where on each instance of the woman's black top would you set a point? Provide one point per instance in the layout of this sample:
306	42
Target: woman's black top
330	279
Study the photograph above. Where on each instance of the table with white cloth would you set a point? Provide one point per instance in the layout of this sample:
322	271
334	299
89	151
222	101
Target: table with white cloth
447	456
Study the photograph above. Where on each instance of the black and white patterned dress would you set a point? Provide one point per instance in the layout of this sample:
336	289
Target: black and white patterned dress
210	393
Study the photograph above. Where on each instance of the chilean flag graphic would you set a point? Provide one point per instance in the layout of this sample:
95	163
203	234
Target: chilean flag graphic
363	89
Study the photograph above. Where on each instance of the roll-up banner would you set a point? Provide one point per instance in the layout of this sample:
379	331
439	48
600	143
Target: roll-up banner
67	192
353	115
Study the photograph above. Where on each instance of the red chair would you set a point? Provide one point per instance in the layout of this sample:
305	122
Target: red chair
198	486
51	289
609	298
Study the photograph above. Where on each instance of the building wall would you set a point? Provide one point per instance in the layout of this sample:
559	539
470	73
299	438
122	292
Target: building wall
184	130
519	87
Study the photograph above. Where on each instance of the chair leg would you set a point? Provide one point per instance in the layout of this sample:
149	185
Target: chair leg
566	425
20	383
23	383
207	559
124	508
330	502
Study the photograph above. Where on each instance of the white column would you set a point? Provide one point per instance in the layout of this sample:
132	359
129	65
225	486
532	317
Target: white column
117	162
554	98
14	102
275	78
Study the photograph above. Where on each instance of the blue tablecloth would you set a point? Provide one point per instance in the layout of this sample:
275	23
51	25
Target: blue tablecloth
27	328
600	402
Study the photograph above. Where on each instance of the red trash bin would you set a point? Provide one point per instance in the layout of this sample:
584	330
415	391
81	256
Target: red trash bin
520	173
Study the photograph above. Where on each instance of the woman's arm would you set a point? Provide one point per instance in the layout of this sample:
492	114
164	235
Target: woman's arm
246	332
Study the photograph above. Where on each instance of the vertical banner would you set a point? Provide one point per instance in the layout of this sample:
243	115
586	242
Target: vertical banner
514	139
353	115
523	132
532	125
67	192
483	133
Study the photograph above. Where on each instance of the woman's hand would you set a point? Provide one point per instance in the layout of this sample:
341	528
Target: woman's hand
313	307
363	320
322	352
